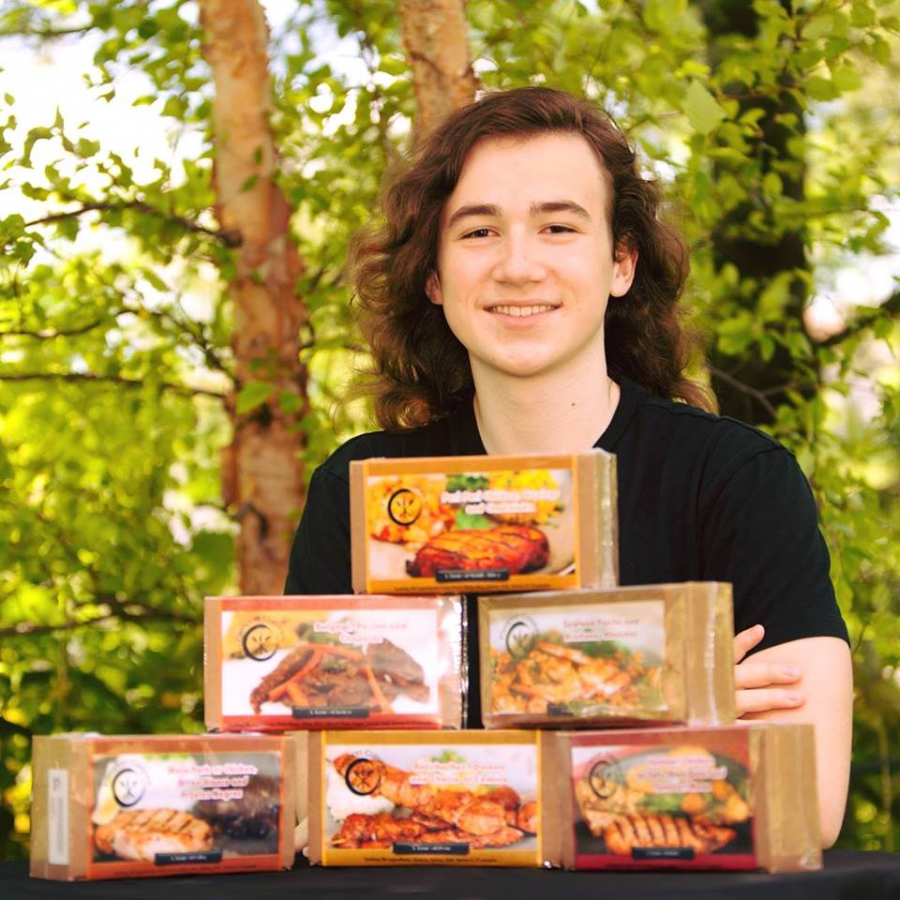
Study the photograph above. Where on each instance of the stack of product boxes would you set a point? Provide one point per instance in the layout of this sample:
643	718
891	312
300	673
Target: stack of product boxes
609	738
657	774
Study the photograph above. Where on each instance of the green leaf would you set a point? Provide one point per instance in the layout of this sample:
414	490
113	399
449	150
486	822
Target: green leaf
703	111
253	394
290	402
846	77
819	26
821	89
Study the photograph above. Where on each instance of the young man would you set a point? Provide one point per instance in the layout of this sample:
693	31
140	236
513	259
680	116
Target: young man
523	297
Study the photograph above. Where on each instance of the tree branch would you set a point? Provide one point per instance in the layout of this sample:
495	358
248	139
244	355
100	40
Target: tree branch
891	306
27	629
229	238
49	335
112	379
751	391
46	33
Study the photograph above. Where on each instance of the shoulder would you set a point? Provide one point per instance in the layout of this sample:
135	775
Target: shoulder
716	447
701	427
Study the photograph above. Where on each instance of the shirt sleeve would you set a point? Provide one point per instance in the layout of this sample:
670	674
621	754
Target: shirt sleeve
320	554
760	532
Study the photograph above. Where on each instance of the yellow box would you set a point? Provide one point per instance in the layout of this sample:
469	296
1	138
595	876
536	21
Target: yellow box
470	798
484	524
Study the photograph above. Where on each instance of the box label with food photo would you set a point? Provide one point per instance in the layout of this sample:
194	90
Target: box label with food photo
470	801
578	661
131	807
498	523
283	663
685	803
660	653
174	809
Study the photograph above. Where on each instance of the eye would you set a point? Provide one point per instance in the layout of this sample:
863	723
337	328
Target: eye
477	233
560	229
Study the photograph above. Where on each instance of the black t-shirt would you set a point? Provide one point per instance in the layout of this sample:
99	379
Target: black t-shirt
701	498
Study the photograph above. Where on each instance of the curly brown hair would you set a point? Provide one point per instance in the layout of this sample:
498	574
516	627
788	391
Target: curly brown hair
420	370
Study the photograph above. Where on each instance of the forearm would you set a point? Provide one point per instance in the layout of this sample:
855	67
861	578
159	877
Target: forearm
827	685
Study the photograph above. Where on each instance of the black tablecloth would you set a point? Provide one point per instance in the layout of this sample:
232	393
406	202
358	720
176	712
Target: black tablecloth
847	875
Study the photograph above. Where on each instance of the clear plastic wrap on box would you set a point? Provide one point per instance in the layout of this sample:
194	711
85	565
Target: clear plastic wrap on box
729	797
136	807
281	663
477	524
601	658
471	798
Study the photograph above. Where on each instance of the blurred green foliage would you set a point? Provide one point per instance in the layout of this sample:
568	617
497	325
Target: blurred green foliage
772	131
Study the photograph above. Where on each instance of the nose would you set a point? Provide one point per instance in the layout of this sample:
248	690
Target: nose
519	262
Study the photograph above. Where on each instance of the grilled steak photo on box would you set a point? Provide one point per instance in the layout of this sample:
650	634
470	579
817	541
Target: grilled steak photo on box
518	549
323	675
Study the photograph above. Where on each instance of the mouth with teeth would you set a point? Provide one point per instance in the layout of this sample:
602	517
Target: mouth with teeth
522	311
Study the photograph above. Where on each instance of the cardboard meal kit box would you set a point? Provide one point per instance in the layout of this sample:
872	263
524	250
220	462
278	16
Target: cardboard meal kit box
599	658
279	663
485	523
732	797
130	807
388	798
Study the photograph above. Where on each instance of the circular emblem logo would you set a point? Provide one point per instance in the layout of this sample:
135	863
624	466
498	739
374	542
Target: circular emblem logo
404	506
600	780
128	786
363	777
259	642
520	636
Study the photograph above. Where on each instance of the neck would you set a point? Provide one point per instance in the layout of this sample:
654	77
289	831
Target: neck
556	412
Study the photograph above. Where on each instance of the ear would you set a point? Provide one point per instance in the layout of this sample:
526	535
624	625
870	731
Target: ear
433	289
624	267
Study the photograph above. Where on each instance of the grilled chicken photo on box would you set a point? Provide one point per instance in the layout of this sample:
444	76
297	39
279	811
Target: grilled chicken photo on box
616	813
496	818
379	832
517	548
140	834
554	673
323	675
663	832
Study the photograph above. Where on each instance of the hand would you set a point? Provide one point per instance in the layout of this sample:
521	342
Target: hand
760	685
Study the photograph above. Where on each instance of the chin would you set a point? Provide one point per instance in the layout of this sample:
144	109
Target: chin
520	368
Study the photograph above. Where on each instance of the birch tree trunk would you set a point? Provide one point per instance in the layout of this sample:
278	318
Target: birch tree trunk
434	35
262	470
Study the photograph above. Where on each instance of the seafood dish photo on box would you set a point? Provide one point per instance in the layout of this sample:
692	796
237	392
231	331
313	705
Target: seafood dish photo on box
279	663
424	798
726	797
131	807
499	523
618	656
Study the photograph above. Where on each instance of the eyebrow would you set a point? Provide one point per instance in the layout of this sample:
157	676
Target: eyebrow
537	209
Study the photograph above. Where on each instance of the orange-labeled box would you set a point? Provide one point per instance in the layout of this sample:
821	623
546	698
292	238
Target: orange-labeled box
598	658
730	797
131	806
379	798
281	663
484	524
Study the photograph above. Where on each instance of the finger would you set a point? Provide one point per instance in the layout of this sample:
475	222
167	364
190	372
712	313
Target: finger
746	640
768	698
760	675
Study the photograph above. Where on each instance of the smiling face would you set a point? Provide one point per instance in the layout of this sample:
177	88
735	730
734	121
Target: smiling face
525	262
